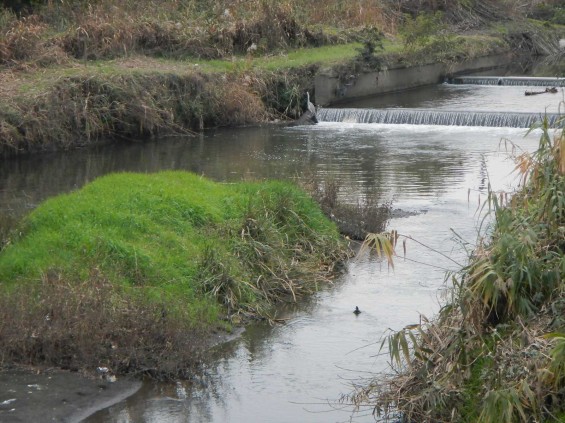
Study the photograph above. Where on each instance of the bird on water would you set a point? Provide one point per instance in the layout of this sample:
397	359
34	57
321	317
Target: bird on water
357	311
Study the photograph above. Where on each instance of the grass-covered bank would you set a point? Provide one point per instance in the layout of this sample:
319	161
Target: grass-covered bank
75	73
132	270
495	352
67	108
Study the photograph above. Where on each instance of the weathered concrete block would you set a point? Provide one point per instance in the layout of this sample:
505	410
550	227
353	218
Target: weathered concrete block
330	89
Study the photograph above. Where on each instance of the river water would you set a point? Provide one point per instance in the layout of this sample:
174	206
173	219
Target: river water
298	371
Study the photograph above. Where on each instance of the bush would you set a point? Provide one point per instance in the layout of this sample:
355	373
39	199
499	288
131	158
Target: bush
422	30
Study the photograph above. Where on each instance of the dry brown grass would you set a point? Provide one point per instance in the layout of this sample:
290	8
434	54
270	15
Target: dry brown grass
21	40
104	30
381	14
355	221
94	323
88	107
443	376
241	104
26	43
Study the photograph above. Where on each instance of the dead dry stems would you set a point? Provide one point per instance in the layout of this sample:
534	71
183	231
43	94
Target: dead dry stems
94	324
355	221
90	108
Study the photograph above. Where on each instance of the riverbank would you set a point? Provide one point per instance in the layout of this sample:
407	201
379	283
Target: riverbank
87	80
51	395
496	350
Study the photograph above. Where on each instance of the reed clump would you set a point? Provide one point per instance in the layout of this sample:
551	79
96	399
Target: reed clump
495	351
356	220
188	255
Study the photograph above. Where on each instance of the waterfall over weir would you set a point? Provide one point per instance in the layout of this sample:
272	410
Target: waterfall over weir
509	80
433	117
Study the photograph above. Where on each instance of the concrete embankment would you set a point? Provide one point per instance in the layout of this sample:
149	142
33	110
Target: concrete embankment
332	88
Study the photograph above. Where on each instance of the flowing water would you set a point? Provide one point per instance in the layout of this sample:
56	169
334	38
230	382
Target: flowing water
434	117
520	81
297	372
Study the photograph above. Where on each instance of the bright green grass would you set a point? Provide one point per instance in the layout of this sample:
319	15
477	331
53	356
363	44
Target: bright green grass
170	234
310	56
37	82
291	59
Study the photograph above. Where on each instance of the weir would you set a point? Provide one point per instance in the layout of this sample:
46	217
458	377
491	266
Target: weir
434	117
509	80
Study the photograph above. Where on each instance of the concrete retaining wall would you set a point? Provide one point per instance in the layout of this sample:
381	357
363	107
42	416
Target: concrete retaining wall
329	89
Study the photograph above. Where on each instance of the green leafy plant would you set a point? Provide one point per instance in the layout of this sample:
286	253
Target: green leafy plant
372	44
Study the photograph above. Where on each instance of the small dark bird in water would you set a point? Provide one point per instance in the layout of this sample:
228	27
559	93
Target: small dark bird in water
357	311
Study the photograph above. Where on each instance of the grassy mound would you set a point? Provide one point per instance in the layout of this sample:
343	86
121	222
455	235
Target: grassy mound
110	270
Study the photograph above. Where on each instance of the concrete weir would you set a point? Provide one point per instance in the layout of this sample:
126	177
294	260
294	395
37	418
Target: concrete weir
509	80
434	117
330	88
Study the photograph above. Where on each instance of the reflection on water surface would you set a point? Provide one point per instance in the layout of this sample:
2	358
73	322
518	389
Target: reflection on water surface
295	372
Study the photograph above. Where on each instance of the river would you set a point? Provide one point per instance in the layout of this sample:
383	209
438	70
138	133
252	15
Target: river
297	371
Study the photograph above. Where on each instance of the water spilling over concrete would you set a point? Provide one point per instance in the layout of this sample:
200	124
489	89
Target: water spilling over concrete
434	117
509	80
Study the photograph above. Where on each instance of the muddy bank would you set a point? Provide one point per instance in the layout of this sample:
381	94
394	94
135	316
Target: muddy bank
31	395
